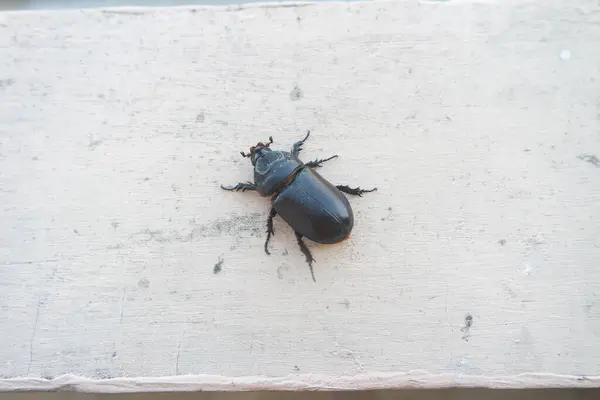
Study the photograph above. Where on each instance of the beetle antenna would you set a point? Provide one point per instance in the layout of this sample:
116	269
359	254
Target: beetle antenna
270	141
244	154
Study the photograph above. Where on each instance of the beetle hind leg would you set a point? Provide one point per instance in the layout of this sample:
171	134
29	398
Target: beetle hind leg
306	252
297	147
270	230
243	186
355	191
319	162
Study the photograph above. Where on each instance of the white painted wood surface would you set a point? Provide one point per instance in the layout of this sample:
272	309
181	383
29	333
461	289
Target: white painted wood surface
479	122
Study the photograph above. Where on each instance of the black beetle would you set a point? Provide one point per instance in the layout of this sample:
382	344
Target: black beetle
312	206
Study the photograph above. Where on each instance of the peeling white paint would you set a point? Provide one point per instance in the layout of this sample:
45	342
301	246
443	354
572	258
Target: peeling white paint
118	126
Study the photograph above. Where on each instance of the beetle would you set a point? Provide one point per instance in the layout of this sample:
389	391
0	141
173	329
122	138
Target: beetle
312	206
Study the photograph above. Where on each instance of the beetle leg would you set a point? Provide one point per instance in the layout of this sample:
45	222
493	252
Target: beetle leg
243	186
355	191
297	147
306	252
270	230
319	162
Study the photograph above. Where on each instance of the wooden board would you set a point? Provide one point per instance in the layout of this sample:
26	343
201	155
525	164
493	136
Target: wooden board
475	263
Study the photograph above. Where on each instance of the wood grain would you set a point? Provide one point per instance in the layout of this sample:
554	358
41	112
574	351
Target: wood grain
478	256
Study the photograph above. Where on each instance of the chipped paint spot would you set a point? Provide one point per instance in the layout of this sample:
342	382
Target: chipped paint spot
296	93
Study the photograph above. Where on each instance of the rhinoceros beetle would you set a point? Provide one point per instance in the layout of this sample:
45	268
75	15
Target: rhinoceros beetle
311	205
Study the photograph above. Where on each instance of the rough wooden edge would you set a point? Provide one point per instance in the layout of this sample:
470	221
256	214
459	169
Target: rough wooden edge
242	6
199	7
300	382
306	382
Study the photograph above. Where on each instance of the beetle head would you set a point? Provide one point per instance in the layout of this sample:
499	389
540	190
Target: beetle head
258	151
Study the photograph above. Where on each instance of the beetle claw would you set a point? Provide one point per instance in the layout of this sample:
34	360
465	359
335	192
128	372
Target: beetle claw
270	229
354	191
297	147
319	162
307	254
240	186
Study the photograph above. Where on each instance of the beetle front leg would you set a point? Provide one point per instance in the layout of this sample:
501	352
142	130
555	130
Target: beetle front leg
355	191
306	252
243	186
297	147
270	230
319	162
